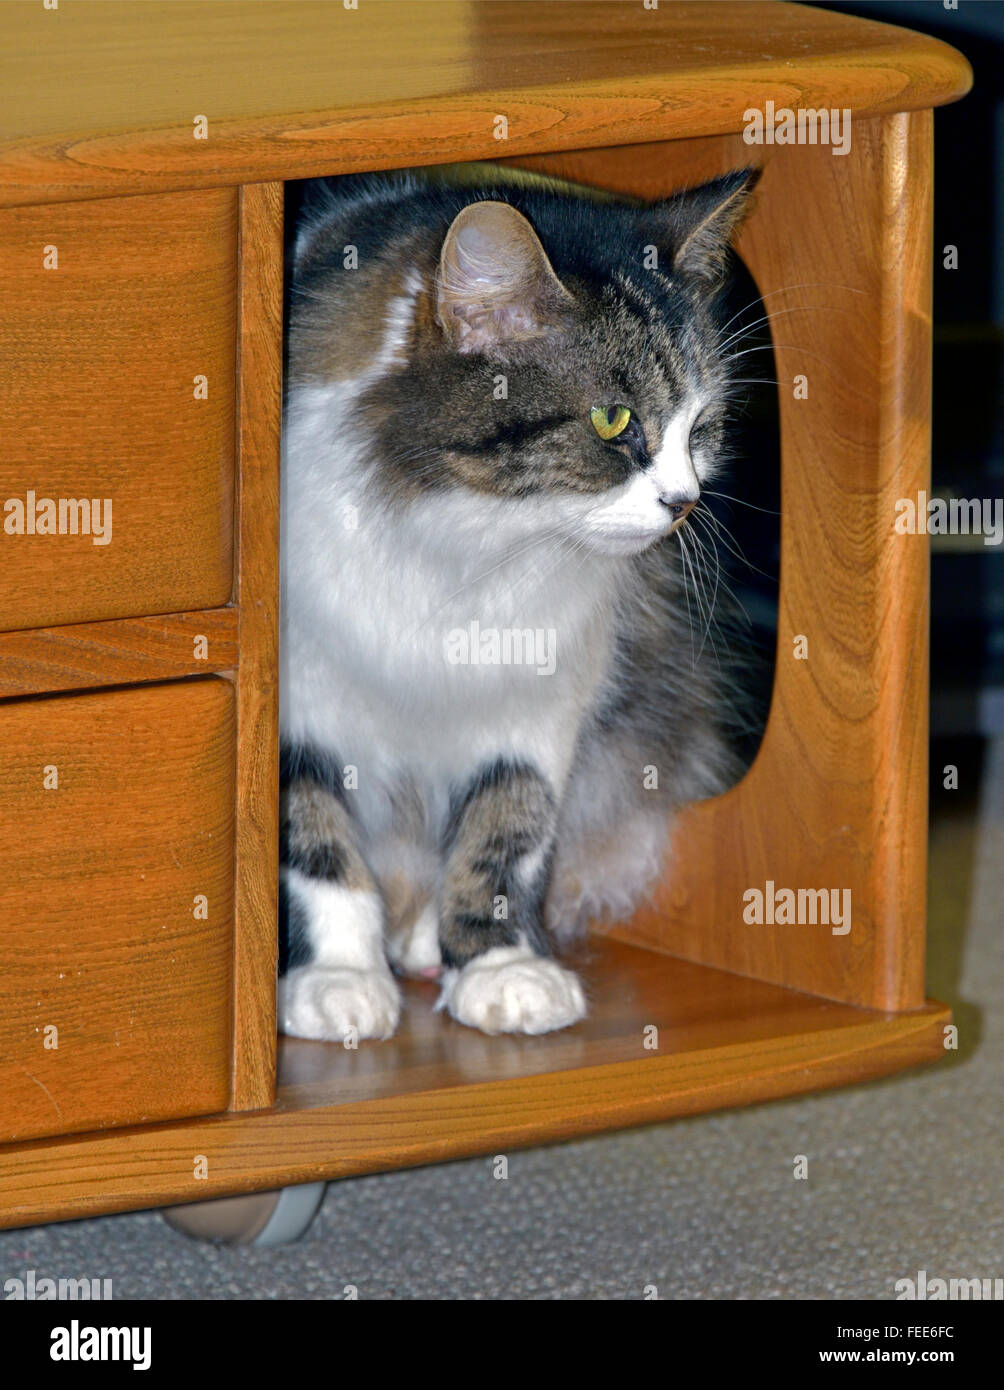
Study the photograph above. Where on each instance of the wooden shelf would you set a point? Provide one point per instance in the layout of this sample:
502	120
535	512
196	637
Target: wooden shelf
440	1091
698	1012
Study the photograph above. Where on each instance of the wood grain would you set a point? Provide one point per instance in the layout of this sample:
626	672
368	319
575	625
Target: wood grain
441	1091
117	652
101	98
257	790
837	797
98	105
98	359
97	902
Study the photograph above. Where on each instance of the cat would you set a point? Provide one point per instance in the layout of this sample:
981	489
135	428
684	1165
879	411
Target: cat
503	400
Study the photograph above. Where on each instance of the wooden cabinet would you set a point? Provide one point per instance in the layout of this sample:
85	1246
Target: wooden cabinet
117	397
117	821
151	156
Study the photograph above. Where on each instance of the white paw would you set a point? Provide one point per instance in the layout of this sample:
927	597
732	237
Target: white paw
416	950
511	990
333	1003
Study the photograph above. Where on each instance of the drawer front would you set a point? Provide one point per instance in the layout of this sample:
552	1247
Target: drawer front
116	904
116	463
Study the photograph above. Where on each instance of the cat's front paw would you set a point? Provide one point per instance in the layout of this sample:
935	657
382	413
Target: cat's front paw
334	1004
512	990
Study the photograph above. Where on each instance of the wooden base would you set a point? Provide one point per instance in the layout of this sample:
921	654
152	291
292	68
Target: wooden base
440	1091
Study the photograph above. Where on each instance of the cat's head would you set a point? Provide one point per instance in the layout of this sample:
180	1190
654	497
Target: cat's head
557	360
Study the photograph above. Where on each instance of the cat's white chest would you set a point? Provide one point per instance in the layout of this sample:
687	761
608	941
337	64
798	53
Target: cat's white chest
407	653
380	652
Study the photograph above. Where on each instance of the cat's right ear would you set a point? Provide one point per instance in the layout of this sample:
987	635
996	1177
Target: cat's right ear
699	224
495	283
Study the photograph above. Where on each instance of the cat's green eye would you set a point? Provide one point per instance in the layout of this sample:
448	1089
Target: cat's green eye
610	420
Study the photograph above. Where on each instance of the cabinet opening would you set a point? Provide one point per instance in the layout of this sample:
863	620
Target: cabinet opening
486	624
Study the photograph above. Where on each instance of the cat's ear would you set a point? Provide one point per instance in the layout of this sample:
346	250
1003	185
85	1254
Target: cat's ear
495	283
698	225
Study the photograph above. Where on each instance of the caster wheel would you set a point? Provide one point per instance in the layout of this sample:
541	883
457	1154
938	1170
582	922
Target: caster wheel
261	1218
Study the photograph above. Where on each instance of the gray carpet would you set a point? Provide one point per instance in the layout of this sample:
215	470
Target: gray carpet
904	1174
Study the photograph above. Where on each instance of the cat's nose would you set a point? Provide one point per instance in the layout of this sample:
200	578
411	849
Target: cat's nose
678	507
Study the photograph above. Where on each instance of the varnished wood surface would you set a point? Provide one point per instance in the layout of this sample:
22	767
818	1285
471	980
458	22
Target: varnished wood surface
101	97
442	1091
97	902
117	652
695	1011
257	787
98	360
838	795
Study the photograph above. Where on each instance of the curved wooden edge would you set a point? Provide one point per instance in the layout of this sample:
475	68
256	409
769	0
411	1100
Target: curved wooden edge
888	70
837	796
153	1166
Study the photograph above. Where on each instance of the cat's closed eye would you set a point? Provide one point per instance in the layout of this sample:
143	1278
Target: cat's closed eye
704	426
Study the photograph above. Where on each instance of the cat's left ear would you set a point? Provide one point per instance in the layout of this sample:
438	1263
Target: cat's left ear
697	226
495	282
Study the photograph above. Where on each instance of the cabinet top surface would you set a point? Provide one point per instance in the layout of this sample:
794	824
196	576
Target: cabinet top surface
102	96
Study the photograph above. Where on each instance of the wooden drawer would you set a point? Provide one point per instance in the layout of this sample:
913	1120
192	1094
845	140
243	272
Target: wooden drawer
99	357
115	983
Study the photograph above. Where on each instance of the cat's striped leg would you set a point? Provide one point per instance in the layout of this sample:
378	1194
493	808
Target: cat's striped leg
334	981
499	976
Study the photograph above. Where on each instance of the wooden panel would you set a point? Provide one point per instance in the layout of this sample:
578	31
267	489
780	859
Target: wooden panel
98	360
98	903
441	1091
259	415
838	795
118	651
97	103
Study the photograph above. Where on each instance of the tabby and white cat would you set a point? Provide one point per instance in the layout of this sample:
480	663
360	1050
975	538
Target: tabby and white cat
503	400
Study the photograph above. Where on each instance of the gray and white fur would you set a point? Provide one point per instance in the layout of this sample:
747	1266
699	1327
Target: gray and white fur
452	802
